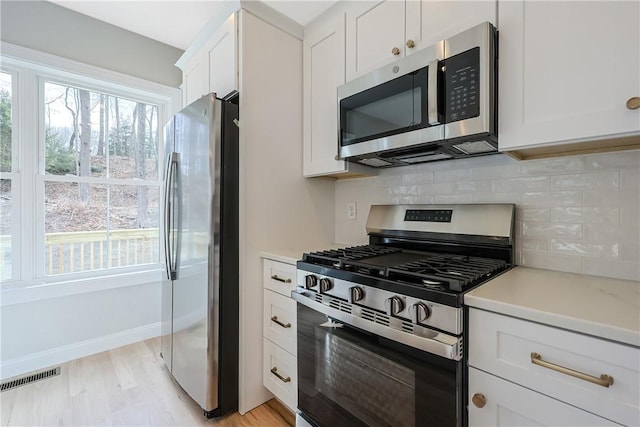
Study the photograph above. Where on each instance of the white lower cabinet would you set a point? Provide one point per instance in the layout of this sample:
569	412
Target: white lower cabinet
527	373
501	403
279	363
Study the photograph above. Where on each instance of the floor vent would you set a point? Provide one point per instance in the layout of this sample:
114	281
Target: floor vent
17	382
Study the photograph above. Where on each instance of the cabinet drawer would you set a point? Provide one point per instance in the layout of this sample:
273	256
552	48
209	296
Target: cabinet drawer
279	320
279	277
509	405
280	374
504	346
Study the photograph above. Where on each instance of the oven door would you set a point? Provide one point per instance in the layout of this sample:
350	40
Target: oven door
350	377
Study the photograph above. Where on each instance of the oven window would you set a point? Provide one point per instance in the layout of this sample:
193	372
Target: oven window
387	109
348	377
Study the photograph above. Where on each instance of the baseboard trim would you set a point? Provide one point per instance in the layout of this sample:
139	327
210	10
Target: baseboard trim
62	354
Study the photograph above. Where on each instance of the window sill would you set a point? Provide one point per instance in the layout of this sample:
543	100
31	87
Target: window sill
22	292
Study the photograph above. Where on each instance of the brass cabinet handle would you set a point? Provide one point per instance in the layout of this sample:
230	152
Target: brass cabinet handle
274	371
411	44
280	279
604	380
284	325
395	51
633	103
479	400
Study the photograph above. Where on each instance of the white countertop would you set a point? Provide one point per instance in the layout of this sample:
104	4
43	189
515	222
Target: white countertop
598	306
291	255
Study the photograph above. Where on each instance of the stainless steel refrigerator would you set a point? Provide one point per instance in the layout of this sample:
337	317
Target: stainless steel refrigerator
199	342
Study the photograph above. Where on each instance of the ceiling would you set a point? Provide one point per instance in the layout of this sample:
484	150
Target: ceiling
177	22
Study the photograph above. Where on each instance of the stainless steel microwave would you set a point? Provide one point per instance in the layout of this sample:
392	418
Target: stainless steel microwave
436	104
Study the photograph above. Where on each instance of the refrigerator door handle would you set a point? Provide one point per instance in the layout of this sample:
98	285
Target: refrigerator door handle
169	206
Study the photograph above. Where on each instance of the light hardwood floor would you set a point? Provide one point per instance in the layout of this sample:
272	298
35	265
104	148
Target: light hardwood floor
127	386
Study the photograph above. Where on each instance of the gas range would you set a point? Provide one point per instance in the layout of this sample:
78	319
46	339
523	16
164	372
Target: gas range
412	275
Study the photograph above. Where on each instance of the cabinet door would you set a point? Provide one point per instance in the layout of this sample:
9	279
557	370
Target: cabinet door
567	69
195	80
430	21
223	75
508	405
323	73
374	29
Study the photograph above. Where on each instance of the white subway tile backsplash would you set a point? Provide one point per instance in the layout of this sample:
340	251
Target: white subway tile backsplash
617	160
552	198
444	188
489	197
496	171
630	251
629	270
578	214
533	214
446	199
587	180
452	175
630	178
612	232
585	215
585	249
551	166
538	183
612	197
532	244
551	230
570	264
473	187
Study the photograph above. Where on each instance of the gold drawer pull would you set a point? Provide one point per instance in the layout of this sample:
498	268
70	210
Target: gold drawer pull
604	380
280	279
284	325
274	371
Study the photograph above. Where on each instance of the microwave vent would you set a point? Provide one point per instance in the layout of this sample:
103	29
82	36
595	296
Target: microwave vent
424	158
376	163
475	147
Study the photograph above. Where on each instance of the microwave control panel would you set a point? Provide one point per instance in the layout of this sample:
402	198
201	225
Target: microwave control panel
462	86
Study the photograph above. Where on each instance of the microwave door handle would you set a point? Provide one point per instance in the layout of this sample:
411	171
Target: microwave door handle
432	92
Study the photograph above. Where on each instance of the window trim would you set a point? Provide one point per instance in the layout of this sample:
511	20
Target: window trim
32	68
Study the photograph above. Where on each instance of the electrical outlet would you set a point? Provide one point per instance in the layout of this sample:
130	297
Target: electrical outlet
351	210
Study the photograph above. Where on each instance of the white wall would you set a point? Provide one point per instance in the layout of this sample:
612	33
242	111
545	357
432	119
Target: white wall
578	214
43	332
50	28
278	208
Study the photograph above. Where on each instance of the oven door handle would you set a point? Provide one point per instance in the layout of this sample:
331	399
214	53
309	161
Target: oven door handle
436	343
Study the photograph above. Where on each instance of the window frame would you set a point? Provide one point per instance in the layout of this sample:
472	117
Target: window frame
15	175
33	69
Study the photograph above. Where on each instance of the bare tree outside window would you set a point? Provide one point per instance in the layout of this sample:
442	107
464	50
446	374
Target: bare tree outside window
6	206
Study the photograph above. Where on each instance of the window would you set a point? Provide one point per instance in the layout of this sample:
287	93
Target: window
6	177
80	173
100	180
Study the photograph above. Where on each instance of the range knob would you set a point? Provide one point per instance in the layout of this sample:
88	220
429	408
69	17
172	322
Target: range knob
356	293
420	312
310	281
394	305
325	285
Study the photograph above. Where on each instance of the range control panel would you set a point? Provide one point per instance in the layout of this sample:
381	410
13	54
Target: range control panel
428	215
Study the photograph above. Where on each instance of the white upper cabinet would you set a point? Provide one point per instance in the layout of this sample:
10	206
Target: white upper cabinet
211	66
324	65
381	32
567	70
375	35
223	75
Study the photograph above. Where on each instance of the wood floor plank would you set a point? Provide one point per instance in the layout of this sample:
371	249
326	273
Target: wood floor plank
128	386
